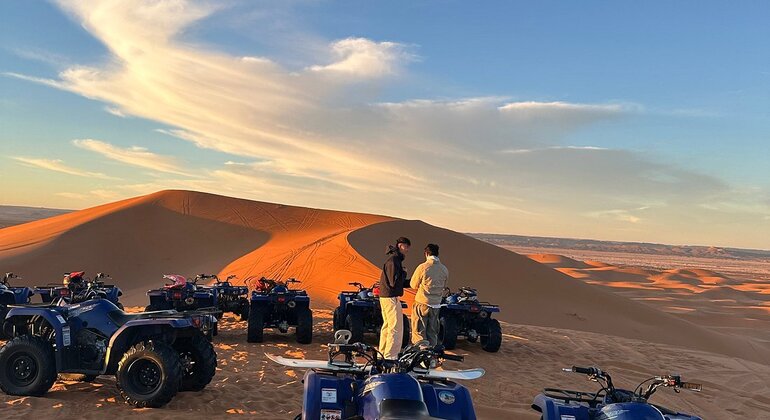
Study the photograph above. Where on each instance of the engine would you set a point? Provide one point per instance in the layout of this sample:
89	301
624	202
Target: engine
92	348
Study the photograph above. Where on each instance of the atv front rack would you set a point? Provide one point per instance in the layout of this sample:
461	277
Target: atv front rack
590	398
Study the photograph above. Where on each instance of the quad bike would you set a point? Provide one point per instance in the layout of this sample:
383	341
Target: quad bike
10	295
181	294
77	288
462	314
610	402
358	383
230	298
359	312
275	305
152	355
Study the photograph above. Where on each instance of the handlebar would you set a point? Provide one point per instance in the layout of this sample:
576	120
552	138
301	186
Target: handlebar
584	370
454	357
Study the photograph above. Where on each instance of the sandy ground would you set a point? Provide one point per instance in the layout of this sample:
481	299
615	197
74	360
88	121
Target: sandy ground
715	328
249	385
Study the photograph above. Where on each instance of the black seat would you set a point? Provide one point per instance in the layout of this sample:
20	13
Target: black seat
396	409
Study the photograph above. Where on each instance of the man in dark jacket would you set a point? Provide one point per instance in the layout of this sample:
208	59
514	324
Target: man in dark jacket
392	283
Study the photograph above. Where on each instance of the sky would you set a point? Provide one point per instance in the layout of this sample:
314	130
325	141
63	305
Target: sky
632	121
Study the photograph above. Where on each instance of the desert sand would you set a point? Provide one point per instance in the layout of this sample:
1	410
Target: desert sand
557	311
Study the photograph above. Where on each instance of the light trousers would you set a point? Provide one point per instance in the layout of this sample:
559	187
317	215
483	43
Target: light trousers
392	332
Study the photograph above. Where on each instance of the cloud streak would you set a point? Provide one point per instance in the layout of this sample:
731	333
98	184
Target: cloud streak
58	165
134	156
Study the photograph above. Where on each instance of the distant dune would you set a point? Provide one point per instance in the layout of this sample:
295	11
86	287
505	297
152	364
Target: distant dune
138	240
16	215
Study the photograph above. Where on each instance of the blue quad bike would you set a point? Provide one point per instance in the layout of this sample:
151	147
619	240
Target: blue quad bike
152	355
230	298
274	305
359	312
10	295
462	314
181	294
356	383
78	288
610	402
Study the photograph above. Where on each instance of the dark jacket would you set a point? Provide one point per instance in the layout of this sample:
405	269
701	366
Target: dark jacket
393	276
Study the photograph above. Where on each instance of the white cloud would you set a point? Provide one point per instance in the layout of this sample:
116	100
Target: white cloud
115	111
361	57
58	165
135	156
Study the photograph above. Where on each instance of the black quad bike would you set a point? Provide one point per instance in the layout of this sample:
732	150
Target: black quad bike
152	355
610	402
462	314
230	298
275	305
359	312
181	294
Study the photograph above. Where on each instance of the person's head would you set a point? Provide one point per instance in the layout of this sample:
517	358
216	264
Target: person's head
431	250
403	244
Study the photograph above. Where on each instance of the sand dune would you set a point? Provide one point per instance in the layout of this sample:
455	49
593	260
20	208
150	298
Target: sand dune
553	318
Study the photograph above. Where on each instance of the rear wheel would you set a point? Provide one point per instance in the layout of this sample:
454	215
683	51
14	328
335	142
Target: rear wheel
199	362
449	332
243	309
304	326
493	337
149	374
27	366
355	324
336	321
256	325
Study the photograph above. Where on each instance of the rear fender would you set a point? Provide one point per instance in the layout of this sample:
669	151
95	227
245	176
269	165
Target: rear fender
62	337
327	392
362	304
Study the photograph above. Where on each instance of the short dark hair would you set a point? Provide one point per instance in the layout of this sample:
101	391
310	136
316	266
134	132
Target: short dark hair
432	249
404	240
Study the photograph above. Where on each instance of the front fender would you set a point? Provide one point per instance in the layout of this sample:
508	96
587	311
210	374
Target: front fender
552	409
129	333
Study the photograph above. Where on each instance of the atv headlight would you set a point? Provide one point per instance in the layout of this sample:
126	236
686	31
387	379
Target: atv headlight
291	304
483	314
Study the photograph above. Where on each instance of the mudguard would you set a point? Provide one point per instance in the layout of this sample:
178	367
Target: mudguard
62	334
557	409
327	397
448	400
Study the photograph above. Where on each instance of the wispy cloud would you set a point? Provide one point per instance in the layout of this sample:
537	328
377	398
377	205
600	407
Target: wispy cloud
58	165
318	133
135	156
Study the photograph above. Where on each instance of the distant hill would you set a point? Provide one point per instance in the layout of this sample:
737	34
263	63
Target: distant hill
626	247
16	215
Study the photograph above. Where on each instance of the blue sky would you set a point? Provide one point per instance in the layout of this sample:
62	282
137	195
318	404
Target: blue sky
611	120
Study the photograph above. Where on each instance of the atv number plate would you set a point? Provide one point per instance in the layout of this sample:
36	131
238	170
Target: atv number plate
329	395
65	336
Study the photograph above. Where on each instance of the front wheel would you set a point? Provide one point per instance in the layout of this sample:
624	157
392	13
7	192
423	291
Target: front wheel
336	321
199	361
305	326
149	374
27	366
493	337
449	332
